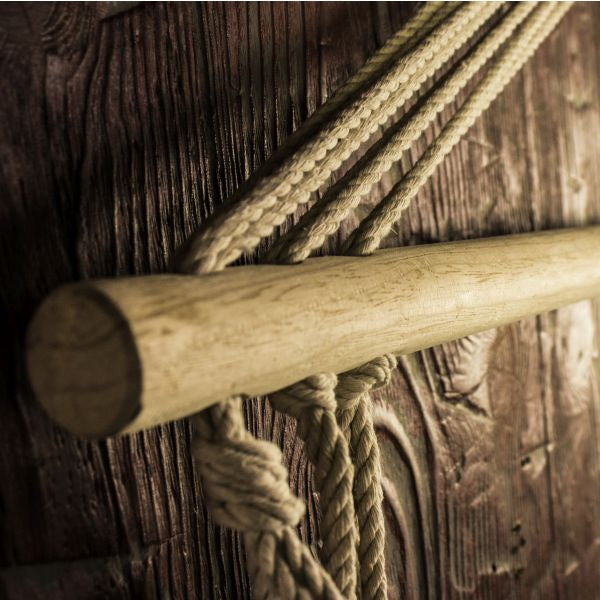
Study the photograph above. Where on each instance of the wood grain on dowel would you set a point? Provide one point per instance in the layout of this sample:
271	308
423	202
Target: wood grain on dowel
117	355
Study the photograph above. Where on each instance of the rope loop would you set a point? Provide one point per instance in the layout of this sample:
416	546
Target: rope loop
372	375
316	391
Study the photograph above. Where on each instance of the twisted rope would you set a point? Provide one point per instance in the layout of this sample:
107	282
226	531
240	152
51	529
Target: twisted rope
312	402
352	391
377	225
266	205
356	417
256	499
245	482
325	217
246	489
429	15
356	422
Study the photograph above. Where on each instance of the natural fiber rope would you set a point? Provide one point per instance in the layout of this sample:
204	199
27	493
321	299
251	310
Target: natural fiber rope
537	28
327	448
325	217
312	402
356	421
368	495
429	15
246	486
273	198
377	225
245	482
539	25
283	566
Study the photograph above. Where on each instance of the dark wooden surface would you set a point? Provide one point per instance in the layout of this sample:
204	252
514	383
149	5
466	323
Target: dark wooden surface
119	136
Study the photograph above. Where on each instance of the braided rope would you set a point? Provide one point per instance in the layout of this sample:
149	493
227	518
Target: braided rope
313	403
356	422
377	225
325	217
338	519
273	198
353	387
279	564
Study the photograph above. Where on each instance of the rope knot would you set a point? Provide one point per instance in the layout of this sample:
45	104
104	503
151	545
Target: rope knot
317	391
353	384
246	483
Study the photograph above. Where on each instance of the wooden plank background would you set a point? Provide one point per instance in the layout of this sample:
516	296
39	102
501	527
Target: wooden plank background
120	135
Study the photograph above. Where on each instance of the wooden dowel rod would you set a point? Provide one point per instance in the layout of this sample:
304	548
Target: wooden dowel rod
117	355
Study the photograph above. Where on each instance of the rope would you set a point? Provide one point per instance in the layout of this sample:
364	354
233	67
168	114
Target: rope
367	495
356	422
244	480
279	565
325	217
246	489
266	205
312	402
421	23
378	223
334	476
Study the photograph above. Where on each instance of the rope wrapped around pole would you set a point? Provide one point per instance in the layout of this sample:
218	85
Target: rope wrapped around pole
152	330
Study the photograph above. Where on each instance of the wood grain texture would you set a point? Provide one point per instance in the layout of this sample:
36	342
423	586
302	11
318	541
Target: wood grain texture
120	135
108	356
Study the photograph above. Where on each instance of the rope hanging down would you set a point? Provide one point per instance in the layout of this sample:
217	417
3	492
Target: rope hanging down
245	482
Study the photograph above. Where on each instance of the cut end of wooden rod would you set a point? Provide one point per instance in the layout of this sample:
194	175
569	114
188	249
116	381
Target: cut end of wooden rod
83	363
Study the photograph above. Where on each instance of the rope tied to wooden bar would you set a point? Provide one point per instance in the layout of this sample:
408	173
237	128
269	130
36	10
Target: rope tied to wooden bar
244	479
246	483
354	417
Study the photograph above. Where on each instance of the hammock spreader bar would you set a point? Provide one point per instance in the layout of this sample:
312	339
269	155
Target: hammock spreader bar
119	355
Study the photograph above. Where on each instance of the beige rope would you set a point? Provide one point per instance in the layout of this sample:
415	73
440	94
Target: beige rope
325	217
312	402
265	206
246	488
340	535
279	565
245	482
426	18
350	385
356	421
377	225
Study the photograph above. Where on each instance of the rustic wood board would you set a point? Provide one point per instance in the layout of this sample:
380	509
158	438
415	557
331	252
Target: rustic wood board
120	135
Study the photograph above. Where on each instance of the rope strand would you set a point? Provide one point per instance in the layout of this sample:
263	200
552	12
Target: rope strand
325	217
377	225
429	15
356	422
244	479
312	402
280	566
273	198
